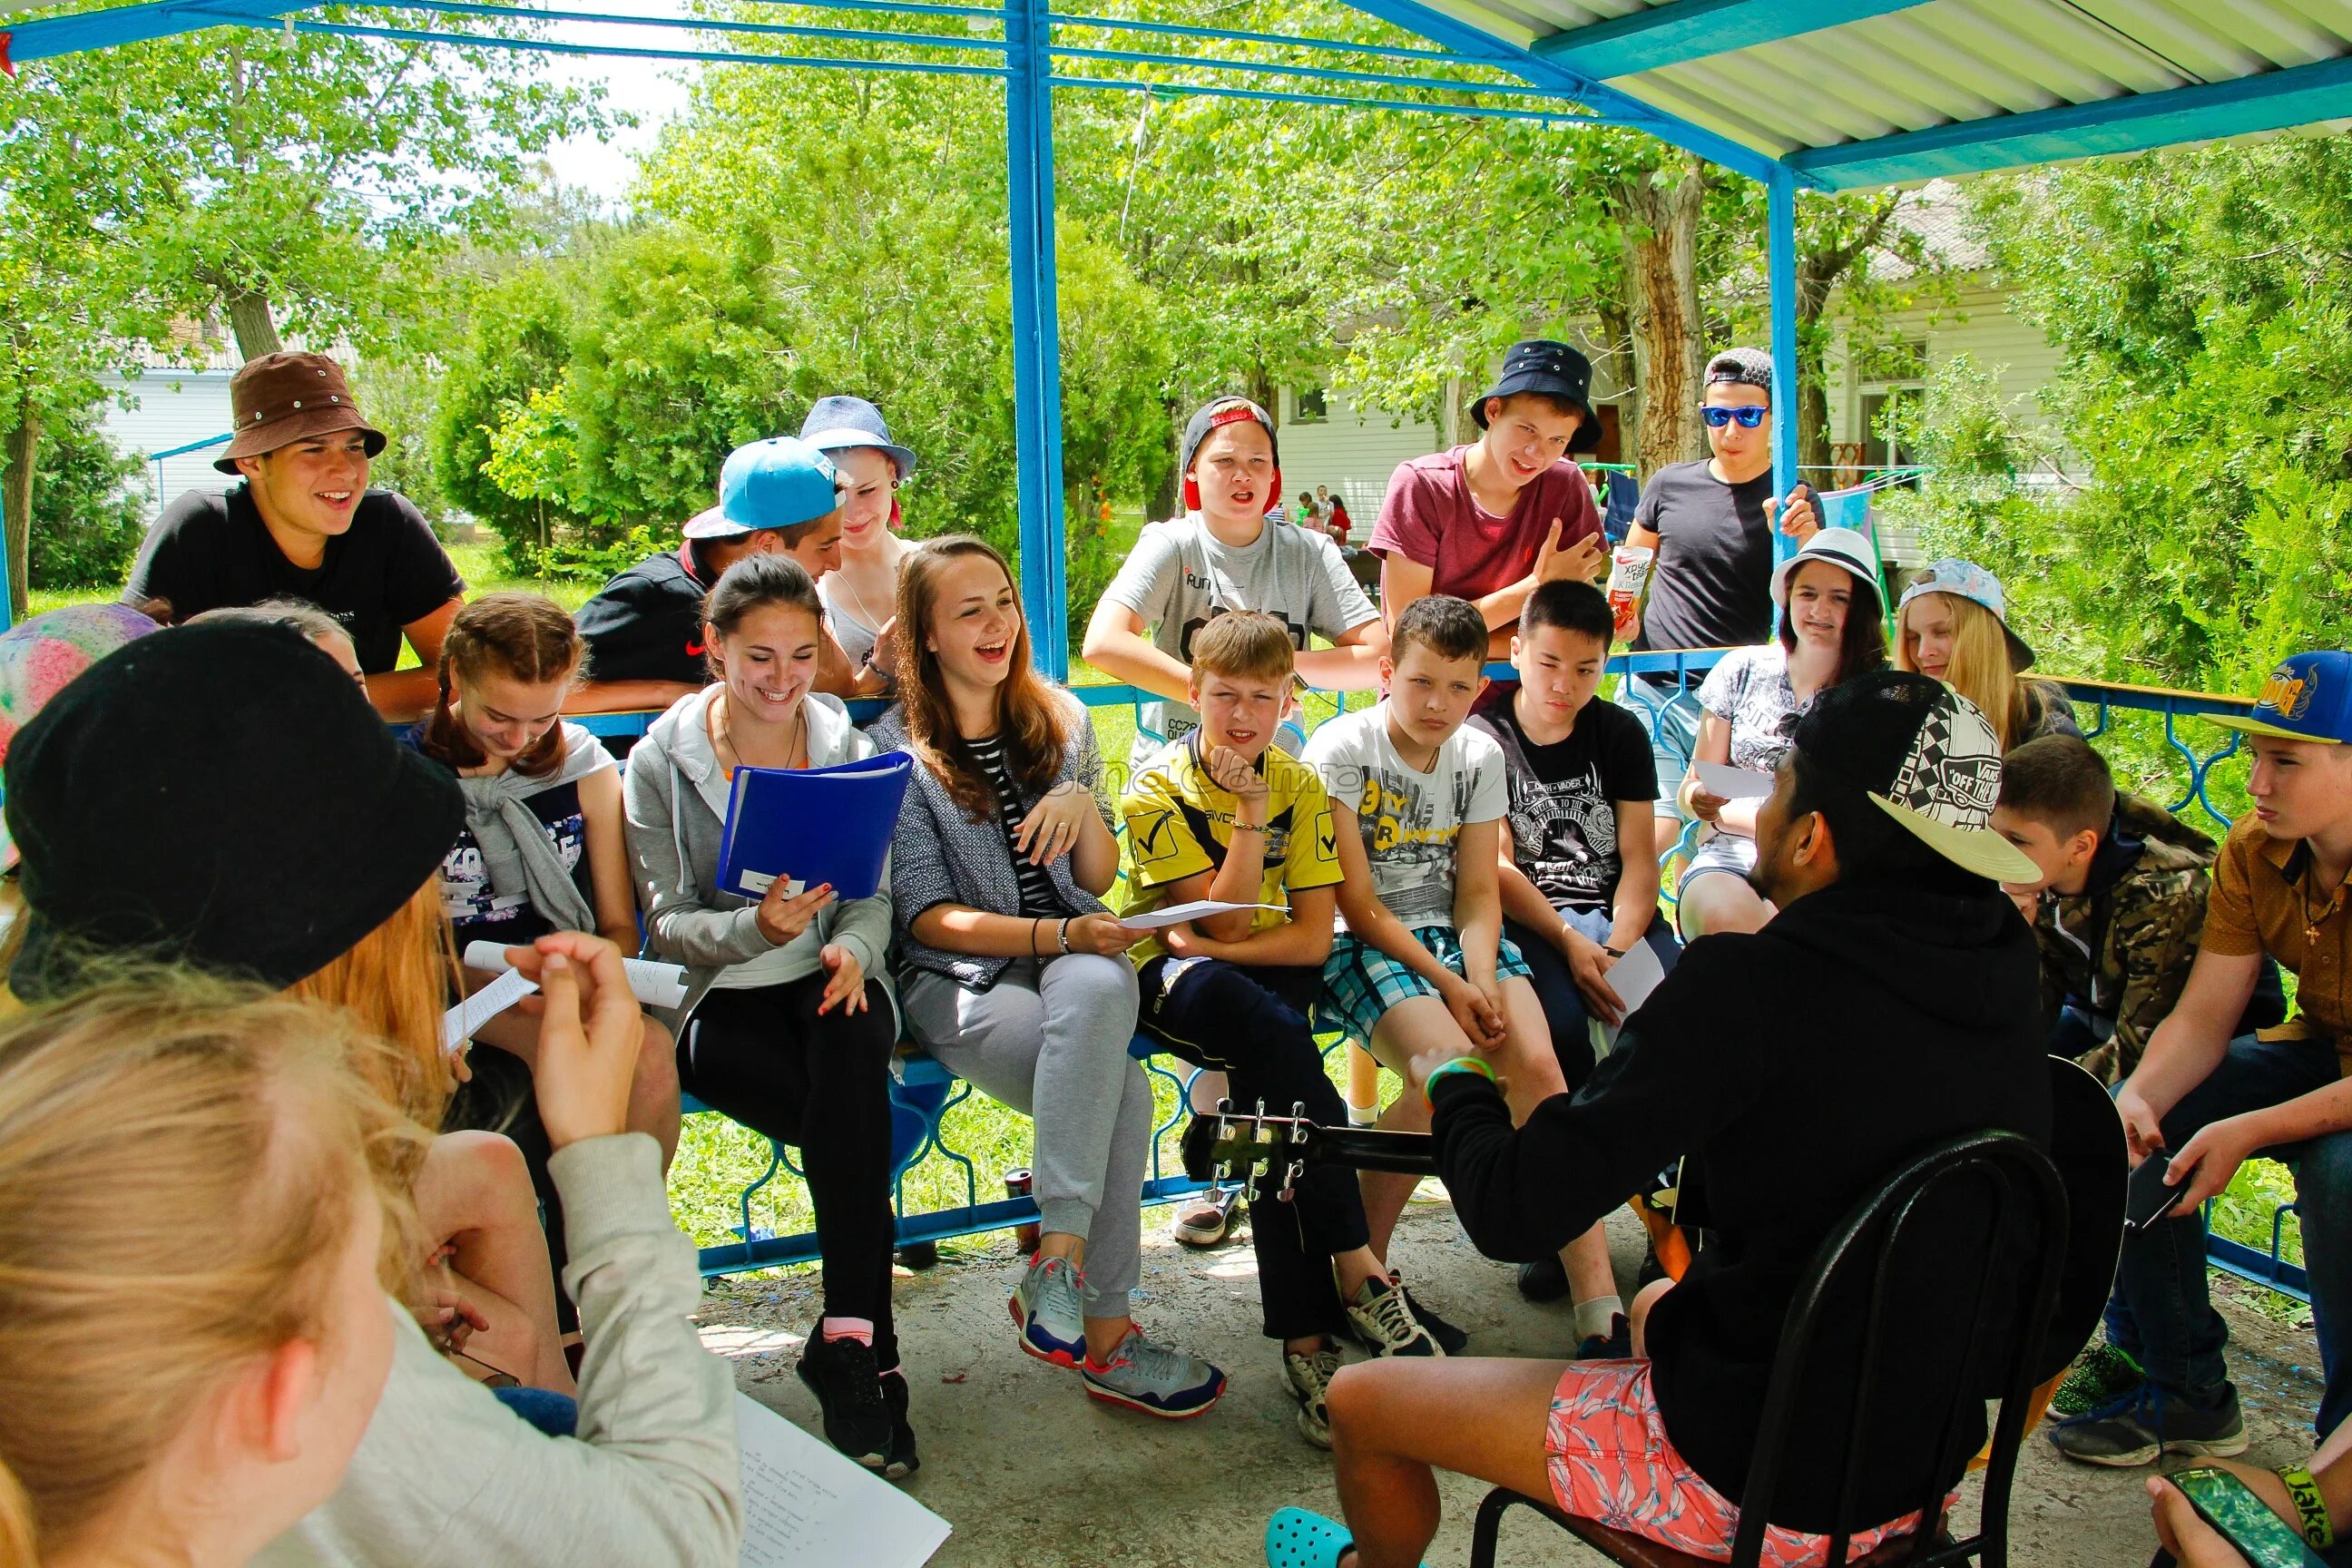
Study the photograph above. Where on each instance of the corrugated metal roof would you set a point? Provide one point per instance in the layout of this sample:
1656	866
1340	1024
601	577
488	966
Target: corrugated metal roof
1912	67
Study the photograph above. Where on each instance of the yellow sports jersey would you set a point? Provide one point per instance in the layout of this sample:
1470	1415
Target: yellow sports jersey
1180	821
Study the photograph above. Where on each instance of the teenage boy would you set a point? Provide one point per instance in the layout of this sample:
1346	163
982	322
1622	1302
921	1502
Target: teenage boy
1417	805
1763	1059
1488	522
304	525
1578	864
2117	909
1222	557
644	630
1224	813
1710	522
2213	1102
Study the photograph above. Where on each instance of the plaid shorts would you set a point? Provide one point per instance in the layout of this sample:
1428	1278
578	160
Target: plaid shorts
1610	1461
1360	982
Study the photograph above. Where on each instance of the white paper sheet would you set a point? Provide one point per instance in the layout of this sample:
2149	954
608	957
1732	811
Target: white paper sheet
510	987
1633	977
655	983
1733	783
806	1507
1177	914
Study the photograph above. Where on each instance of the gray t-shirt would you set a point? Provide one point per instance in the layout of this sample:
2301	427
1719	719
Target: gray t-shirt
1179	577
1750	689
1411	822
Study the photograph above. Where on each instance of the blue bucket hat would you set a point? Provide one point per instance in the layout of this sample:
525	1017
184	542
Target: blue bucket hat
838	423
2308	698
780	482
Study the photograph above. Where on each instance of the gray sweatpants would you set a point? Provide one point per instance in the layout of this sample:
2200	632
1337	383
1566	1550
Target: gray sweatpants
1050	1038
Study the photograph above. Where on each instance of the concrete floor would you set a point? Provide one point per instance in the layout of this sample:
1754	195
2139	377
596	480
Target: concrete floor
1032	1474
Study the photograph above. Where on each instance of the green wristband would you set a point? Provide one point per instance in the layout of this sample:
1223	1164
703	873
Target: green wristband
1458	1065
2310	1508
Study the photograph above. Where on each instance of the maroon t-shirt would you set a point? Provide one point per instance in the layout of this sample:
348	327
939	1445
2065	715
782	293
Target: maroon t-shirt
1429	519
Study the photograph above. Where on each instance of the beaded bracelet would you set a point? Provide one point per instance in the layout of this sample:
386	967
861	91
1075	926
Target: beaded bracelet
1459	1063
2310	1508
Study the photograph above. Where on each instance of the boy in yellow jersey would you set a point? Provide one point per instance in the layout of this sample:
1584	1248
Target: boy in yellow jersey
1222	814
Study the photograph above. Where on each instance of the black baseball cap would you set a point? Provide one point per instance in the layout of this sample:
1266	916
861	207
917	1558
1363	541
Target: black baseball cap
218	795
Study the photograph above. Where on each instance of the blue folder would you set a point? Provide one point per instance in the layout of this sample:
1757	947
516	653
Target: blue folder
812	825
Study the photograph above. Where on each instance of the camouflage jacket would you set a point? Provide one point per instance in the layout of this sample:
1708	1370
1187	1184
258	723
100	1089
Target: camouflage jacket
2120	950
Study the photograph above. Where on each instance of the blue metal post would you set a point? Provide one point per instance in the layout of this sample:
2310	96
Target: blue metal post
1780	226
1036	328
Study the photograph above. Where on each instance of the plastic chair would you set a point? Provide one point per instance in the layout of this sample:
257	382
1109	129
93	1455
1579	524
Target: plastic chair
2018	1190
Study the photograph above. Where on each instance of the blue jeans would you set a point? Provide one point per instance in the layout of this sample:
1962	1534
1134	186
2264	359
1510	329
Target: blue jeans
1554	984
1671	716
2163	1312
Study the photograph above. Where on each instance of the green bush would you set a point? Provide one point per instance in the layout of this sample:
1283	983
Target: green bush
89	507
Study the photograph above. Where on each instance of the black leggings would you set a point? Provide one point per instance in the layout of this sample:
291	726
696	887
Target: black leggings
1251	1024
767	1059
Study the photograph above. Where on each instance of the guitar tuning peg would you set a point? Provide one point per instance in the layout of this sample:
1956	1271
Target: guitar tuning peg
1290	1174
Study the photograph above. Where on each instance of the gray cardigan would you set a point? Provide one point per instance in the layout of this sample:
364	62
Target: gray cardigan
939	855
677	796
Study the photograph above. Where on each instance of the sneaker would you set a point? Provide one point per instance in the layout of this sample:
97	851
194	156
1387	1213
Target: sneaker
1451	1340
2100	1376
848	1391
1386	1325
1204	1219
1157	1379
2146	1424
1310	1379
1048	1306
1545	1279
902	1461
1617	1345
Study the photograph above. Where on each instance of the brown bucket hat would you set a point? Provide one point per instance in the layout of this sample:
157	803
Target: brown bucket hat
285	397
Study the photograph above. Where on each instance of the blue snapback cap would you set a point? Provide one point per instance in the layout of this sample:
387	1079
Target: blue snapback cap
776	483
2308	698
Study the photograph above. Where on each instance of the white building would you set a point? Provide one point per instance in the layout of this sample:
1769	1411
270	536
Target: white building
162	409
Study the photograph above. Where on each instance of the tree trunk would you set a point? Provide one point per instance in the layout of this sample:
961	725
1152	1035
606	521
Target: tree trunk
256	328
1659	229
16	497
1618	359
1814	280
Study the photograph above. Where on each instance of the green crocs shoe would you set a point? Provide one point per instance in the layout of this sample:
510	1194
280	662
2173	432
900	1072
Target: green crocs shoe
1298	1539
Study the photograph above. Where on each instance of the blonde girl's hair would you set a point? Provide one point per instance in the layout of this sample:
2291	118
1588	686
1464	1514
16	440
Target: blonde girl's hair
181	1161
1028	720
393	983
1980	668
523	637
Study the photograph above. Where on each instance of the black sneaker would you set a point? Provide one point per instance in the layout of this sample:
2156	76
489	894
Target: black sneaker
2147	1423
1617	1345
1199	1137
2100	1376
1543	1280
1453	1341
848	1391
902	1461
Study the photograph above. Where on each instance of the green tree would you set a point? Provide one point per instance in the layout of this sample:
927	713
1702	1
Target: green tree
89	511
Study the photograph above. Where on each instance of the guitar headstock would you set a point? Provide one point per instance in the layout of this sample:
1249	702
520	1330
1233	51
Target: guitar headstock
1248	1144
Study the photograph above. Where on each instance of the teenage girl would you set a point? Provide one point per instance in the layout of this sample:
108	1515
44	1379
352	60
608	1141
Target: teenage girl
1953	625
861	595
1016	976
788	1024
544	849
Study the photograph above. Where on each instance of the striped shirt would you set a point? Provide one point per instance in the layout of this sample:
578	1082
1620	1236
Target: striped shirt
1038	899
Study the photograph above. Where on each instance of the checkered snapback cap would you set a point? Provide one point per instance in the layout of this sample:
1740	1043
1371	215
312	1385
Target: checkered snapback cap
1926	756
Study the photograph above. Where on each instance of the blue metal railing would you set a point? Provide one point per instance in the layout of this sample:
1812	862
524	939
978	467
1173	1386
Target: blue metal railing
925	1091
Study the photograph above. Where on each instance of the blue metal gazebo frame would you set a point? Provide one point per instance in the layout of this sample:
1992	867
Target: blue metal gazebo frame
1601	62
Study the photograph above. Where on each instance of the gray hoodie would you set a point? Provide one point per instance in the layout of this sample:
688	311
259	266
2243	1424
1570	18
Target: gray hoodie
676	796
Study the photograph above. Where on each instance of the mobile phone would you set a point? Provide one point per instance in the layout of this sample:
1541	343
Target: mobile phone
2147	1199
2242	1519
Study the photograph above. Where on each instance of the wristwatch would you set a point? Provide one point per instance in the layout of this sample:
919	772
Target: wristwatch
1611	950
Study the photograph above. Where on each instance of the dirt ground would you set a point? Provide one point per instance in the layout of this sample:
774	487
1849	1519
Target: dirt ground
1033	1474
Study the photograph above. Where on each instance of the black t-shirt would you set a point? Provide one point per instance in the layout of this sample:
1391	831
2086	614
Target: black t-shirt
1564	799
210	551
1711	586
646	624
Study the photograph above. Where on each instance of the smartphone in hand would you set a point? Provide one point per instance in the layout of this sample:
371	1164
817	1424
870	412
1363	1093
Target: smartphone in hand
2242	1519
2147	1199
